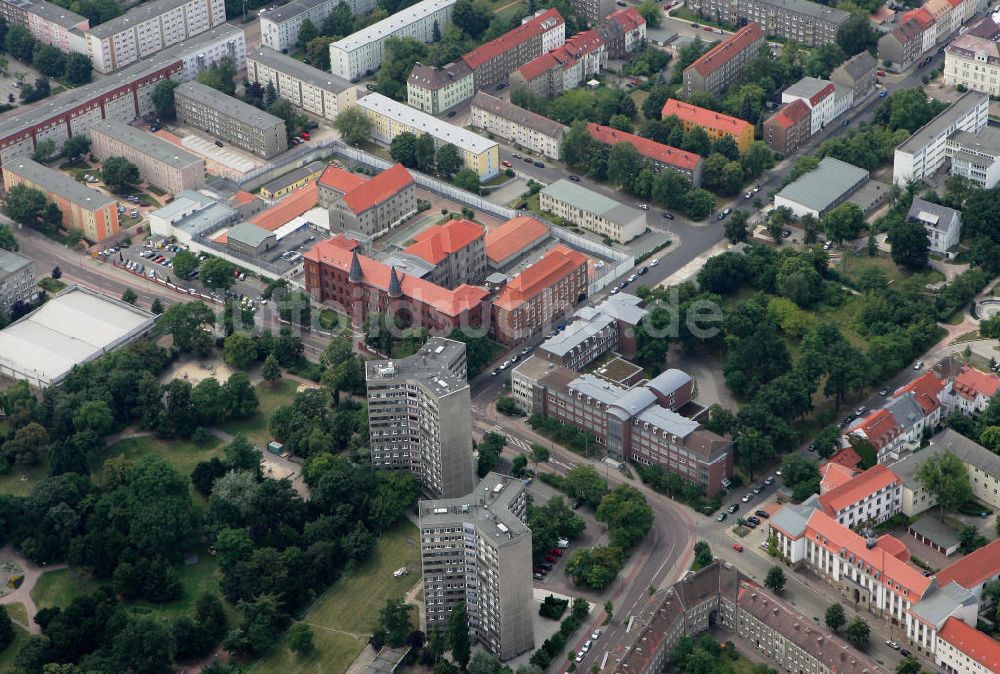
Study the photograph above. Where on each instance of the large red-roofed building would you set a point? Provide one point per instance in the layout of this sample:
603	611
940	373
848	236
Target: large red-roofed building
871	497
493	62
368	206
359	286
662	156
456	250
517	236
971	391
542	293
715	124
723	64
567	67
965	649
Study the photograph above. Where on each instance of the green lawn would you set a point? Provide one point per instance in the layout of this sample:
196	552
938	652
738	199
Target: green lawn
16	612
333	654
11	482
182	455
271	397
59	588
51	285
853	266
353	604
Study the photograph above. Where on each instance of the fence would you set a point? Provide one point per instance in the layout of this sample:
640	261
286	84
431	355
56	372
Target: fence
618	262
261	175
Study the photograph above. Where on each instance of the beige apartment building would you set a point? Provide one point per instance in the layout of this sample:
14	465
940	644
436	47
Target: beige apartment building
476	550
592	210
973	62
160	163
315	91
517	125
230	119
148	28
802	21
723	64
435	90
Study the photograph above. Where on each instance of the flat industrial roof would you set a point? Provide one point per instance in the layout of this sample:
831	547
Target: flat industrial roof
72	328
822	186
249	233
388	26
146	143
59	183
932	129
88	93
295	68
227	105
424	123
987	139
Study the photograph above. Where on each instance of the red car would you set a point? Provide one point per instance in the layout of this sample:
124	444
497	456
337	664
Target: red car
551	559
556	551
305	135
737	547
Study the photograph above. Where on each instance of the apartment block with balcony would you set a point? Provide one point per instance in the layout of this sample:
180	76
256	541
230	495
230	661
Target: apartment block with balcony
18	284
230	119
54	25
492	63
476	549
802	21
148	28
419	417
310	89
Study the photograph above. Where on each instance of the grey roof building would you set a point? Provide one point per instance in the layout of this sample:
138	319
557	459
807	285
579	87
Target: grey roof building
17	280
816	192
160	163
528	129
249	239
190	215
497	588
943	224
808	23
609	326
857	74
943	604
311	89
923	153
230	119
975	156
792	519
592	210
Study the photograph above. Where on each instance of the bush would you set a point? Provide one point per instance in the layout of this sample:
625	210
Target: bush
553	608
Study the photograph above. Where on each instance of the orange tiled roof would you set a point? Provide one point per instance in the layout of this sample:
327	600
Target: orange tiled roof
243	197
722	53
926	390
847	457
553	267
792	114
973	643
341	180
704	117
821	94
436	243
562	57
448	302
509	40
975	568
832	475
516	234
383	186
289	208
222	238
341	241
835	537
920	15
970	382
857	489
879	427
894	546
658	152
627	18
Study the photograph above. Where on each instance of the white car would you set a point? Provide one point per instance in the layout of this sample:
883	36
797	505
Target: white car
644	207
918	365
654	263
579	656
748	498
504	365
633	277
595	635
893	645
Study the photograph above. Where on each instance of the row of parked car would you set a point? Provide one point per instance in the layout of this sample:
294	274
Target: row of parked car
550	560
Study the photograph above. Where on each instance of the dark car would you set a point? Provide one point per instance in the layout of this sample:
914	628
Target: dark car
668	216
219	143
528	159
884	391
540	571
451	113
539	164
846	122
575	179
733	508
546	565
905	653
761	513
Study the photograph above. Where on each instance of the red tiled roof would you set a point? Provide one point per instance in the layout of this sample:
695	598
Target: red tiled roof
383	186
627	18
920	15
722	53
894	546
974	569
792	114
537	67
341	241
832	475
436	243
971	382
582	43
658	152
704	117
879	427
242	197
908	29
894	571
514	235
341	180
978	646
821	94
448	302
847	457
855	490
537	26
553	267
289	208
926	390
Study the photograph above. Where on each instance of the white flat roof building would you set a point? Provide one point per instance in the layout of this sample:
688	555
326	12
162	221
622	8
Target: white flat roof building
391	118
363	51
279	28
924	152
314	90
74	327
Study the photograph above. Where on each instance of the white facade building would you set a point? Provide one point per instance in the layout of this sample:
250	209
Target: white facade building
819	95
311	89
363	51
925	151
943	225
279	28
148	28
976	156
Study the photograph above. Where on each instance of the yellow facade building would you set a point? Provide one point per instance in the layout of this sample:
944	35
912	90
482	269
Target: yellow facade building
715	124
